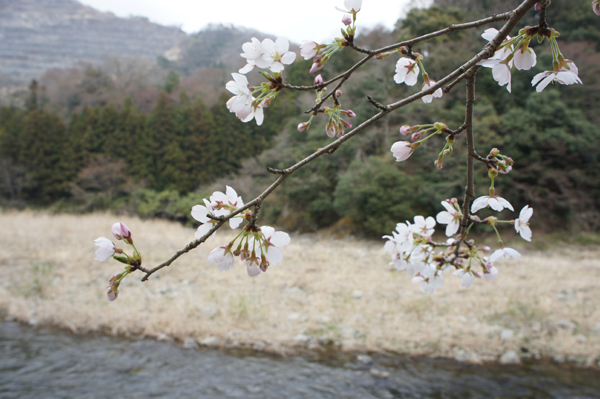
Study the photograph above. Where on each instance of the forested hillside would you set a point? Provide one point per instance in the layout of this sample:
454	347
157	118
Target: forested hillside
88	146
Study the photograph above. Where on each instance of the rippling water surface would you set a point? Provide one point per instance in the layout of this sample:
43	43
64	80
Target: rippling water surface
47	363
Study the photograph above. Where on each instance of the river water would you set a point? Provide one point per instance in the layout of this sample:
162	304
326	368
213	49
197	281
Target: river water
50	363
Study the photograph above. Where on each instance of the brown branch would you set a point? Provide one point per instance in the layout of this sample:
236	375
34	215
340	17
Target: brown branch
470	189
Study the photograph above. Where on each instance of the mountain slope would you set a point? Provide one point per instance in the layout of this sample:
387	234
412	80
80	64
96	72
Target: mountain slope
36	35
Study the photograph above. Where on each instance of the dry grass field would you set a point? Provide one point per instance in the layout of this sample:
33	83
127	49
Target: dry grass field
326	292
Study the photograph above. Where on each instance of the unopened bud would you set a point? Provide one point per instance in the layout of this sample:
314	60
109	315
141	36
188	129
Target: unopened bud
318	79
405	130
120	231
494	152
349	113
338	93
346	124
123	258
347	19
492	172
439	126
416	135
485	248
448	151
315	67
439	164
302	127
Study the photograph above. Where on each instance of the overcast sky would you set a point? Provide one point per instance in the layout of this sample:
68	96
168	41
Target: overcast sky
296	20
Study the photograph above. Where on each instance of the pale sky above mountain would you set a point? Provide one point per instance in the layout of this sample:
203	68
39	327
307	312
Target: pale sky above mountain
296	20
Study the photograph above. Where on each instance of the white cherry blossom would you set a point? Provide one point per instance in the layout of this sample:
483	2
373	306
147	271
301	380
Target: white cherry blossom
200	213
429	98
402	150
308	49
350	6
563	76
252	51
422	226
504	253
273	240
451	217
275	55
220	202
466	277
501	54
496	203
106	249
242	103
525	58
429	279
221	256
522	223
407	71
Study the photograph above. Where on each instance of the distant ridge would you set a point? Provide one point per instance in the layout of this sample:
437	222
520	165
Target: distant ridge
36	35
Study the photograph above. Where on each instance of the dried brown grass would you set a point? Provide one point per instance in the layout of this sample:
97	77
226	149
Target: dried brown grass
48	275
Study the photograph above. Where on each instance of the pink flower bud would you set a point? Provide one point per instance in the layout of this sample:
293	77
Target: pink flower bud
346	124
596	7
112	293
302	127
318	79
315	67
405	130
347	19
120	231
338	93
416	135
485	248
330	129
439	164
349	113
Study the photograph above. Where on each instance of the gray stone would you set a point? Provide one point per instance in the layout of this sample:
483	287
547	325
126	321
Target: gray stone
210	341
357	294
510	357
558	359
536	326
190	343
462	356
211	311
301	339
507	334
379	373
259	346
295	291
581	339
567	325
366	359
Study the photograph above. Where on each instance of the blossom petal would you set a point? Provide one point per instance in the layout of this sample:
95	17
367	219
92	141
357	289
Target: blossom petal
280	239
274	255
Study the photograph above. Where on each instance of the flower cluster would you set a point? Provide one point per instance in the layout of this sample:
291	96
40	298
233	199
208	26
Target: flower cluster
402	150
107	249
407	71
220	204
258	248
413	249
268	54
516	52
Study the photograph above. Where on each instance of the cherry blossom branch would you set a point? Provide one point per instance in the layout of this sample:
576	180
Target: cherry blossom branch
512	17
371	53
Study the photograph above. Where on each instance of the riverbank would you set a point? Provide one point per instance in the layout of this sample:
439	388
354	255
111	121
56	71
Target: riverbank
326	293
